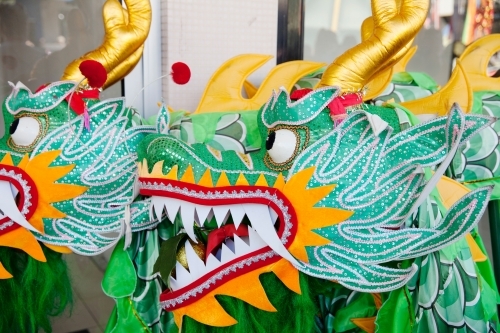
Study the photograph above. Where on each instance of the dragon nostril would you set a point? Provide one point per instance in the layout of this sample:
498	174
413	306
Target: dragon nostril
13	126
270	140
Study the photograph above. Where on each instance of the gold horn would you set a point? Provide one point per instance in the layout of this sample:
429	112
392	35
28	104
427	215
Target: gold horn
125	33
223	92
381	80
475	62
395	26
457	90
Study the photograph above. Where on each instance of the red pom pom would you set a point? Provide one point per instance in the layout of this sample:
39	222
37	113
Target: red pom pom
181	74
95	73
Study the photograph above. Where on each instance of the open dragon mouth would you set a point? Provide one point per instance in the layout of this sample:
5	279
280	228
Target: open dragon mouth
18	199
248	227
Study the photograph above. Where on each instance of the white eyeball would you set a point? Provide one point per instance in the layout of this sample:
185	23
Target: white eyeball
25	131
281	145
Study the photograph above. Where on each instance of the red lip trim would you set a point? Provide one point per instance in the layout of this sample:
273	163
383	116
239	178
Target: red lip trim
172	300
22	195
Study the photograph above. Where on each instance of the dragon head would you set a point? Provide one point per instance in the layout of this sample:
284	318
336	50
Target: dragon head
69	186
67	179
331	199
330	202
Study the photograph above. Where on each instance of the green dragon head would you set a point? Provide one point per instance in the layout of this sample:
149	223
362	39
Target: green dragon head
332	202
71	187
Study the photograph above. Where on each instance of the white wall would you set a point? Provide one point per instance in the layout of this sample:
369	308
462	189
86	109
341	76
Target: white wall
203	34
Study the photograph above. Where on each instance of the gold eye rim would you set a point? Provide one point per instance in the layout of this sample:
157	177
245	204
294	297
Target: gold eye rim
299	146
42	132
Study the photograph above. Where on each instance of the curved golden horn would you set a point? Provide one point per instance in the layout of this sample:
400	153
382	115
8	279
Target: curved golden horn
381	80
125	33
457	90
395	25
223	92
403	63
475	62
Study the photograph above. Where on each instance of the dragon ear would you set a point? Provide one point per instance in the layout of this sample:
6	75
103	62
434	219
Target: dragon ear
22	99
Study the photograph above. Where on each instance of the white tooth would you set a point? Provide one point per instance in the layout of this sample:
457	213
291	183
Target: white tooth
221	214
230	244
187	215
9	207
172	206
261	221
157	204
218	254
174	285
241	248
237	212
212	263
202	213
210	215
273	214
14	190
195	264
182	275
226	254
255	241
246	239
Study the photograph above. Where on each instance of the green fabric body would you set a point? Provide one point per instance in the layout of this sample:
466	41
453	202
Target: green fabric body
387	114
477	165
38	291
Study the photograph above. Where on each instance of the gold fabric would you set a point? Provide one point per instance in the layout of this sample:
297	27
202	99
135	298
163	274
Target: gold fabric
125	33
395	26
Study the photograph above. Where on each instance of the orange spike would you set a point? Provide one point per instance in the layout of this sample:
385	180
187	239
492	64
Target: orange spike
44	160
377	298
24	240
280	182
172	174
366	324
188	176
142	168
288	274
475	250
223	180
198	311
206	179
59	249
7	160
261	181
3	273
24	161
241	181
157	171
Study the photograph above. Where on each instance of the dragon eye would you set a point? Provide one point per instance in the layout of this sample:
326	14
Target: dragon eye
25	131
281	145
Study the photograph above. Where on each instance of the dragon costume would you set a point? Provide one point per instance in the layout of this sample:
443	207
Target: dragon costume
308	211
308	224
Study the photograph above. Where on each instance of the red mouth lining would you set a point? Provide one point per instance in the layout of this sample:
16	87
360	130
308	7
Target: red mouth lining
238	266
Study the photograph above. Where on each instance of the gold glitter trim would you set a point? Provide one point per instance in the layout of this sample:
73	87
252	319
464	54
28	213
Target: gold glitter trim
215	153
43	132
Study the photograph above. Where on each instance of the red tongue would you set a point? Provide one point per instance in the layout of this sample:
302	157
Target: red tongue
218	236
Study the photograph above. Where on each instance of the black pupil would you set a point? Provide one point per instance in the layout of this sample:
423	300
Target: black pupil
270	140
13	126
